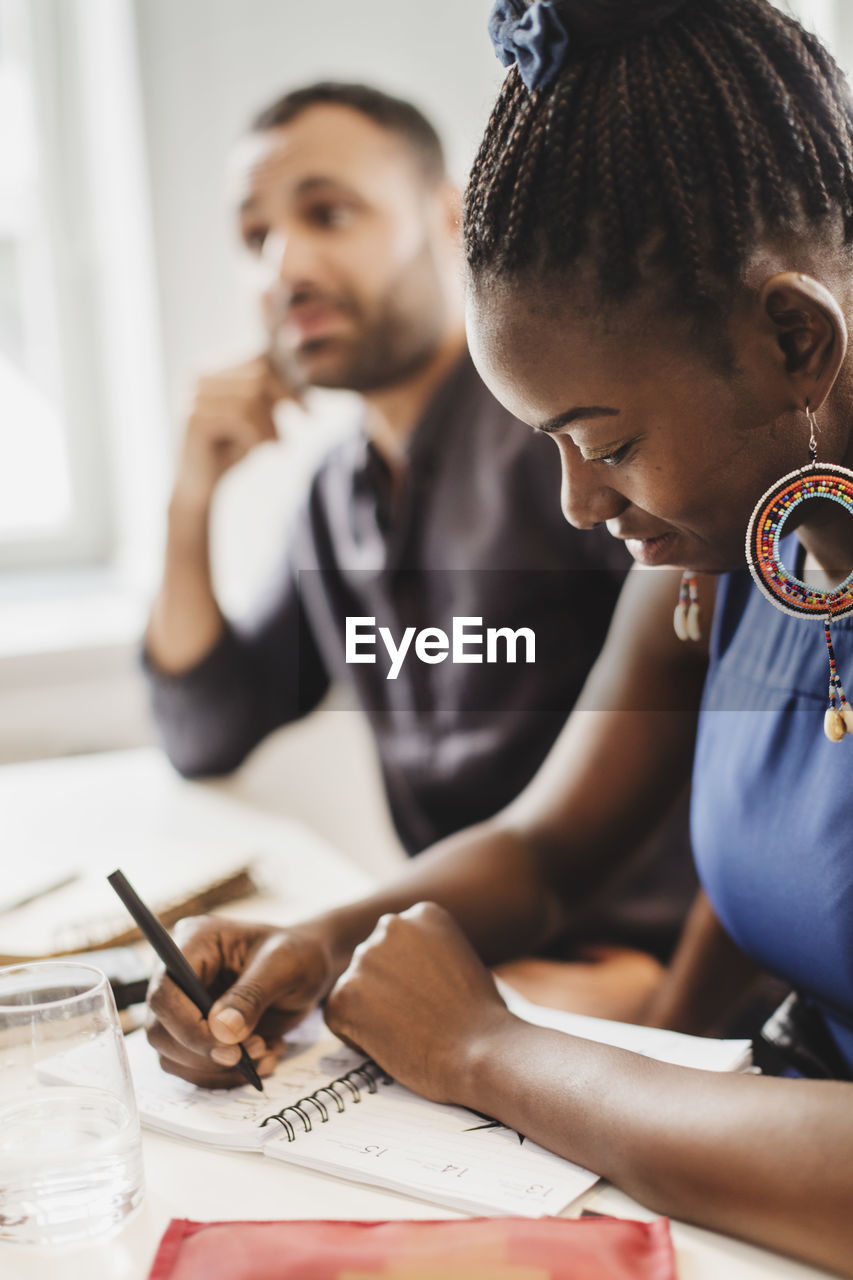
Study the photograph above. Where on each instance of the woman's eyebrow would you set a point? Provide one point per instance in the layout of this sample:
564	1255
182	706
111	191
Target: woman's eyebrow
572	415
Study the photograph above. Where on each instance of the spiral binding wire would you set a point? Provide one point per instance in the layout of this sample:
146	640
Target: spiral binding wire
366	1076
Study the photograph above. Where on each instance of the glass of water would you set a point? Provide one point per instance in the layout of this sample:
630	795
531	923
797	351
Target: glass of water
70	1149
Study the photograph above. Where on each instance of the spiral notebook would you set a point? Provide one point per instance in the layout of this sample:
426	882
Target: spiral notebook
329	1109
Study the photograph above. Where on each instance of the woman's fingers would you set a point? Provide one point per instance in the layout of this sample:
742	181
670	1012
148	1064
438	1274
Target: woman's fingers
263	981
216	1069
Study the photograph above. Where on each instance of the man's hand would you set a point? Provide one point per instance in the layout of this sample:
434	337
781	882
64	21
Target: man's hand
418	1000
231	413
266	979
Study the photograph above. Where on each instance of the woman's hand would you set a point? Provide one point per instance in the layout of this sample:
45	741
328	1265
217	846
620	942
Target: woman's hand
418	1000
266	978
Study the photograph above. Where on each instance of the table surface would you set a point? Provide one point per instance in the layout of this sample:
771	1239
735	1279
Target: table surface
58	812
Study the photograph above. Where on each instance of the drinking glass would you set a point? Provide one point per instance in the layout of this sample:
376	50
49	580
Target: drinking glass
70	1149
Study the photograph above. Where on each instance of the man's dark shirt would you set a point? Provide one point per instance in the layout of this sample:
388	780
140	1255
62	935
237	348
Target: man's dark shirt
474	530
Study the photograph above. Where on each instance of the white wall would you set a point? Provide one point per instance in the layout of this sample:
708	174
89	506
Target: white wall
832	20
208	65
205	67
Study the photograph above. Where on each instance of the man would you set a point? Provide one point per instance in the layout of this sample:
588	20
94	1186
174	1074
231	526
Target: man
444	508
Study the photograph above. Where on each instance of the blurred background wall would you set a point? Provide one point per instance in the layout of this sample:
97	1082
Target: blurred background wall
207	65
124	114
119	284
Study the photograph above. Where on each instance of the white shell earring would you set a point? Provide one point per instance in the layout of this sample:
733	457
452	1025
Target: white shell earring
687	620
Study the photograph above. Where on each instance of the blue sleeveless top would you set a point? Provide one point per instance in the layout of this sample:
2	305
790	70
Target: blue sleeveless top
772	807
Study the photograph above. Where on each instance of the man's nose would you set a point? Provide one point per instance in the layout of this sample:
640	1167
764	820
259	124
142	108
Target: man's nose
585	500
288	257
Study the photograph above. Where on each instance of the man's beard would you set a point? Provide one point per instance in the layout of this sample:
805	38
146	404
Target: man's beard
380	357
396	342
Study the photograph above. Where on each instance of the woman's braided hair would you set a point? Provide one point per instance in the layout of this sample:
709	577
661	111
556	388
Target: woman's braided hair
715	121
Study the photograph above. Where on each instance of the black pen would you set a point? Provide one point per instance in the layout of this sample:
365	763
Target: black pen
178	967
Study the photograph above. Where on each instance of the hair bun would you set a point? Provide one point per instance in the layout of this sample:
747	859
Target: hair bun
606	20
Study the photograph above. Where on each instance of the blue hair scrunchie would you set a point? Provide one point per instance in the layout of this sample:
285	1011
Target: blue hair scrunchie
533	38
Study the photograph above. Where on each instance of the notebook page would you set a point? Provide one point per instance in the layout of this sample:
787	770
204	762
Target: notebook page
390	1138
232	1117
446	1154
443	1154
651	1042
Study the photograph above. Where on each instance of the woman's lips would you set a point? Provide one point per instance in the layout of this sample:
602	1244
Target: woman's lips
652	551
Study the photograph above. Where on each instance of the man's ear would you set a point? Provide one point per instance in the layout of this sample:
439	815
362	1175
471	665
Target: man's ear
810	331
451	207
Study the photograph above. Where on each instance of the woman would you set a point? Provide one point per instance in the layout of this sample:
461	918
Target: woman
658	229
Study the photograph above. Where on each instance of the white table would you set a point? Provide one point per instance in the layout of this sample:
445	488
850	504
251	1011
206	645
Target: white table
55	808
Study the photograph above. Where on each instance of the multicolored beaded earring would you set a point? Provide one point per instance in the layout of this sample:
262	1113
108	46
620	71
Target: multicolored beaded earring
782	587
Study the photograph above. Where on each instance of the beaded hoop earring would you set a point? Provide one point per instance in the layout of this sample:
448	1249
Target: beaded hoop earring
782	587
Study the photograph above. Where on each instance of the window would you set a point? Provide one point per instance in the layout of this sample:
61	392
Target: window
53	498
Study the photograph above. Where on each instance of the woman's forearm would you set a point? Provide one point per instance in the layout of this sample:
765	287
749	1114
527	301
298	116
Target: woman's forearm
768	1160
706	980
489	878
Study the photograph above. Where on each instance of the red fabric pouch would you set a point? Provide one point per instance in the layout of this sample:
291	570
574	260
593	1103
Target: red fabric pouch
476	1249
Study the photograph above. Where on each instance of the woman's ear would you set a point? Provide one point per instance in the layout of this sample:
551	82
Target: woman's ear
810	331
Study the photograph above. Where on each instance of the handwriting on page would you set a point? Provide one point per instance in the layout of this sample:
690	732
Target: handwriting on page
223	1116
